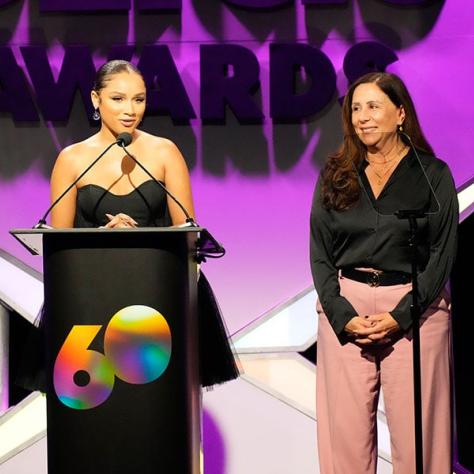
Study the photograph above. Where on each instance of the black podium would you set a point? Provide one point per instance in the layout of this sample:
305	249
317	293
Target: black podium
120	329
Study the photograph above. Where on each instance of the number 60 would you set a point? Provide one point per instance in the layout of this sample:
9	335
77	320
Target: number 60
137	349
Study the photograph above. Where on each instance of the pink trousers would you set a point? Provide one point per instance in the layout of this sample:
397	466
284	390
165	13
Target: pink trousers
349	379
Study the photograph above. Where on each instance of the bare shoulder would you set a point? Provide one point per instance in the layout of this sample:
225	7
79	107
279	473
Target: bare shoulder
74	157
77	151
67	159
158	144
161	148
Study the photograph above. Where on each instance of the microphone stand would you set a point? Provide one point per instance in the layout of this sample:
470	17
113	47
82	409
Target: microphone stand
412	216
208	246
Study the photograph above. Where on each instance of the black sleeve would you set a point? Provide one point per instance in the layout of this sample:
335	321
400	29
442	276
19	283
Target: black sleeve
325	275
443	238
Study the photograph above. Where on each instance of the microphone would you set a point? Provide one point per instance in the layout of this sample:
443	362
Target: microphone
208	245
120	139
124	139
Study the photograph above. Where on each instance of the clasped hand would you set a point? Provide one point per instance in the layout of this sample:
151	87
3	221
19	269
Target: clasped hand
120	221
372	329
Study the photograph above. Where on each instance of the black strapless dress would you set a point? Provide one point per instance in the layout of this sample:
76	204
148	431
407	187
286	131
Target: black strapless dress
147	204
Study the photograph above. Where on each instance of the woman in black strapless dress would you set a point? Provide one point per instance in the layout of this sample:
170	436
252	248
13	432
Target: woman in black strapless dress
116	193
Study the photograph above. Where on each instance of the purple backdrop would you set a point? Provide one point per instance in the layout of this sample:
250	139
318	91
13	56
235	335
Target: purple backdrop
252	182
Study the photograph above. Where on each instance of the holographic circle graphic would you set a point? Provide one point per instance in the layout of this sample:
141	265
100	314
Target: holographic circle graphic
138	344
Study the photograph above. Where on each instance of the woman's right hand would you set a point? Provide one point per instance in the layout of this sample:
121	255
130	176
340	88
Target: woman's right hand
359	328
120	221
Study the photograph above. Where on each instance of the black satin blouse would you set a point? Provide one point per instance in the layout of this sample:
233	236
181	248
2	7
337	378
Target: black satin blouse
370	235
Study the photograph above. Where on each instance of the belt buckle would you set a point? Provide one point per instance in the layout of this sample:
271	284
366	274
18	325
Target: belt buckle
373	279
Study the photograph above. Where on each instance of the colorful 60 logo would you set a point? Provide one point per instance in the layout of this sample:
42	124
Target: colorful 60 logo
137	349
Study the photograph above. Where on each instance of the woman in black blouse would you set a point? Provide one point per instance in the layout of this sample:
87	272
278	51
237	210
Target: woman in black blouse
360	260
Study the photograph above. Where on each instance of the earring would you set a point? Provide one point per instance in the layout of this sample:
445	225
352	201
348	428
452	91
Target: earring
96	115
400	128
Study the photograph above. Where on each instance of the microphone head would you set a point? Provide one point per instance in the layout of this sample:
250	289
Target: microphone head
124	139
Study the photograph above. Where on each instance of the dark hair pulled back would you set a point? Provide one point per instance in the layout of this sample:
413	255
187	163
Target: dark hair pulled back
110	68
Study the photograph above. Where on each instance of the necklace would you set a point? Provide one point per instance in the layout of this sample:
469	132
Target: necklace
381	176
373	162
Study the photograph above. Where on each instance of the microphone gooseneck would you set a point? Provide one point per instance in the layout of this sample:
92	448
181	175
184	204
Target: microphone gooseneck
412	146
42	222
122	141
208	246
402	213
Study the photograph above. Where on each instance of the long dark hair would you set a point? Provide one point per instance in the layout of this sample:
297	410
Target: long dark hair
340	186
109	69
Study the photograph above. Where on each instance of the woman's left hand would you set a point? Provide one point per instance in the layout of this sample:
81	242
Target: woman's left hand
383	325
120	221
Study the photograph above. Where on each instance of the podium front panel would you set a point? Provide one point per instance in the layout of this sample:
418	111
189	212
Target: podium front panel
122	356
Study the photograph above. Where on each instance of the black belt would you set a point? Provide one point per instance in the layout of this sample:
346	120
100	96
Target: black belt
376	278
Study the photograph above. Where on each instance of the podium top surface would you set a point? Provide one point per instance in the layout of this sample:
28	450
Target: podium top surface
93	230
32	239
